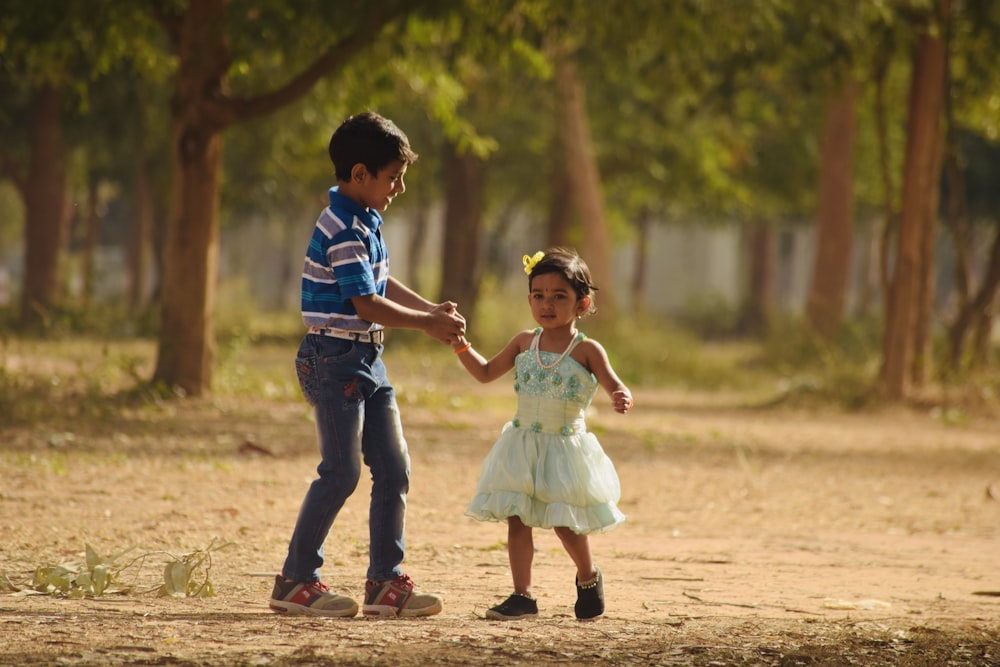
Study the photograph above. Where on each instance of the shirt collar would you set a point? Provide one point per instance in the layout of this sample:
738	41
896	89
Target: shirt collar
370	217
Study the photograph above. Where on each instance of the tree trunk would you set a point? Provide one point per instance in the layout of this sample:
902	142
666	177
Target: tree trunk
560	208
961	242
925	111
186	350
640	270
91	239
881	75
585	183
44	196
187	347
983	333
976	315
756	315
140	241
462	229
418	241
869	273
201	110
921	369
835	216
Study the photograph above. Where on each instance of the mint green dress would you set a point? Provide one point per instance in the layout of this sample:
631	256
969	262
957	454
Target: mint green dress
545	467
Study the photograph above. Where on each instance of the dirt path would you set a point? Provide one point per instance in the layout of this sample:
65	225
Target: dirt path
772	537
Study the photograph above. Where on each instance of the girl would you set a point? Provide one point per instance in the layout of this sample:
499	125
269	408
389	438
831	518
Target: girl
546	470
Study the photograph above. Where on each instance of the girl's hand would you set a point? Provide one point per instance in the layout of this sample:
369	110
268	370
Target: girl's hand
622	401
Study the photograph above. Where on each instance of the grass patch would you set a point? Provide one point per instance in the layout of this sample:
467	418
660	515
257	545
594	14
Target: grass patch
95	378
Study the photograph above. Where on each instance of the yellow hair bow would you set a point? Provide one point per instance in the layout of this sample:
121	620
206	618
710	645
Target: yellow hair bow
529	262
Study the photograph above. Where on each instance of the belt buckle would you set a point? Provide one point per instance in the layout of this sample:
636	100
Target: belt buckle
377	336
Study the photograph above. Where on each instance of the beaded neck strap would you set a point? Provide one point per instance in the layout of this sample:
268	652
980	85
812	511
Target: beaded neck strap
577	339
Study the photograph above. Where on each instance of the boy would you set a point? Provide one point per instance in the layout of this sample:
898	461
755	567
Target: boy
348	298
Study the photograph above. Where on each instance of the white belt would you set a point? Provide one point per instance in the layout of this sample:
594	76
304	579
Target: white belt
375	337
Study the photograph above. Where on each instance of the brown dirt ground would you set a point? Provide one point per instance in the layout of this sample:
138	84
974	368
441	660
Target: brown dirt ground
757	537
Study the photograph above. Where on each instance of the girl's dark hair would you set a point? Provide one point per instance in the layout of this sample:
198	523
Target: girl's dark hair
372	140
571	267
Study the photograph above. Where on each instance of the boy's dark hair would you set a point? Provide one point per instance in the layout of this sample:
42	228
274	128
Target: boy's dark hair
572	267
370	139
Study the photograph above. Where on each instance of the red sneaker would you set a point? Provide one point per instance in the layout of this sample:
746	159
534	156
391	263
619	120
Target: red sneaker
314	598
397	598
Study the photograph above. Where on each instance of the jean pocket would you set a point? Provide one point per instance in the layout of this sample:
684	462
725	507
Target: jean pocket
305	369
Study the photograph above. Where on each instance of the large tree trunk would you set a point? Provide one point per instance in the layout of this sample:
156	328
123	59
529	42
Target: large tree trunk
921	369
201	110
926	106
44	193
186	350
835	215
585	182
187	346
462	229
560	209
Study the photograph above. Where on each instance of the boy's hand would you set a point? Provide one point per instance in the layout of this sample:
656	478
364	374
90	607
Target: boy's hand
447	324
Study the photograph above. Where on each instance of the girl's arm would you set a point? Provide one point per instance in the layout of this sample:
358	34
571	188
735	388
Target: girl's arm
596	361
487	371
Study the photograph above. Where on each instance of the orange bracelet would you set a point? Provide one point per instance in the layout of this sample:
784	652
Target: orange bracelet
464	348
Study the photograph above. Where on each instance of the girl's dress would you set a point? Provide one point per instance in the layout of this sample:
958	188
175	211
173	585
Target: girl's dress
546	468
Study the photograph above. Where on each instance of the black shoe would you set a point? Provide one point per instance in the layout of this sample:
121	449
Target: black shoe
590	598
515	607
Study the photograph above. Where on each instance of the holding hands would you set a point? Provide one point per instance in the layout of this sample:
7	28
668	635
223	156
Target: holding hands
448	325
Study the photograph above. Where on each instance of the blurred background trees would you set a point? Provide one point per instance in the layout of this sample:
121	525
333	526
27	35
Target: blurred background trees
730	165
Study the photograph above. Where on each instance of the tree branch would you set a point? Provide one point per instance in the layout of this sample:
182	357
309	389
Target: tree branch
171	24
228	111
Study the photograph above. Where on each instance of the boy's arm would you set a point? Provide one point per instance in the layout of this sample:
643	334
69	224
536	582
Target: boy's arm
402	308
404	296
488	370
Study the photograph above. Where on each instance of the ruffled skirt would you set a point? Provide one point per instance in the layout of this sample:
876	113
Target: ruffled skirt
549	480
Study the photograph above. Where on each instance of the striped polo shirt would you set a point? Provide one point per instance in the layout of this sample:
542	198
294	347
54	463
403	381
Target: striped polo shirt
347	257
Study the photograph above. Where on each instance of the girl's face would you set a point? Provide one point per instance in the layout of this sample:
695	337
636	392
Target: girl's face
377	192
554	302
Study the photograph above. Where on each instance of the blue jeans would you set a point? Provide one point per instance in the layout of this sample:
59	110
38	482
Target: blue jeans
357	419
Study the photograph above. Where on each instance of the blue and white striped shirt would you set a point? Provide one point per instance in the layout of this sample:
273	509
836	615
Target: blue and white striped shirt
347	257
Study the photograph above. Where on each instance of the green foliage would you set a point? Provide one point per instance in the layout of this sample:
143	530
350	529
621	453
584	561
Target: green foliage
93	577
710	317
644	349
186	575
647	350
812	370
11	216
87	379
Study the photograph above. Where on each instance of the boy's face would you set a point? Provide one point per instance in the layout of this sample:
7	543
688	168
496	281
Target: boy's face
377	192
